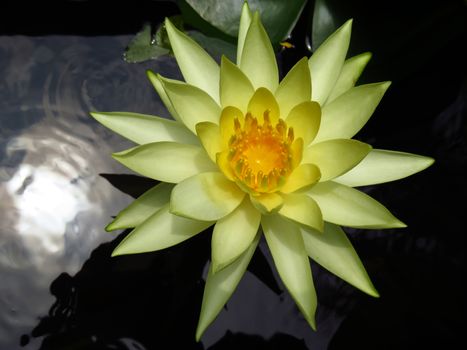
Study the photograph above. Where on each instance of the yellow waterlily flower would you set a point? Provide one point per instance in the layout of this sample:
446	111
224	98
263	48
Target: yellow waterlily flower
250	155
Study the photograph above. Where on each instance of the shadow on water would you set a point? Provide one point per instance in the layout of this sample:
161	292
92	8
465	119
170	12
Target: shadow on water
154	298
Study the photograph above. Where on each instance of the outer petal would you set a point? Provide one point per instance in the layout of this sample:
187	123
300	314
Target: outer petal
267	203
220	286
210	137
347	114
303	176
288	251
384	166
335	157
327	61
233	234
156	82
346	206
192	104
333	251
305	119
161	230
303	210
142	128
166	161
206	196
351	71
245	21
261	101
258	60
295	88
142	208
235	88
198	68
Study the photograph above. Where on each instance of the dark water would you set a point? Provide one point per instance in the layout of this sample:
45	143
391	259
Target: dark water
59	288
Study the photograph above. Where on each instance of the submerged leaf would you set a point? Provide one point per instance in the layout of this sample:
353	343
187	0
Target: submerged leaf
142	47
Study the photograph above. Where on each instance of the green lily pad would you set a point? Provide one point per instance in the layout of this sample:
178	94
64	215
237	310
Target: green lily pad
143	47
278	16
324	23
216	47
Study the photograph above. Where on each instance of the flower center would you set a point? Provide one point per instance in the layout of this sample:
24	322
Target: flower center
260	155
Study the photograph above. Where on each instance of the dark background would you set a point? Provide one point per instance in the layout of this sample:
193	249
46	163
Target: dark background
152	300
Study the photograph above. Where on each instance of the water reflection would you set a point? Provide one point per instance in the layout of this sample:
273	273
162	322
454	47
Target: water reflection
54	204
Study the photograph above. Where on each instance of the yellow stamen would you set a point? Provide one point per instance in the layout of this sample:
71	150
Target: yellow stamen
260	155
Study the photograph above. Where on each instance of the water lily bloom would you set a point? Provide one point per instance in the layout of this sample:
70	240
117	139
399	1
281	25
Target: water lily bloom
252	155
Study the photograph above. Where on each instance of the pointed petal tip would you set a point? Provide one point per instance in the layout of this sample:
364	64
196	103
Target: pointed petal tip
429	162
374	293
256	16
400	224
116	252
346	27
198	337
385	85
150	74
111	226
367	55
117	155
310	319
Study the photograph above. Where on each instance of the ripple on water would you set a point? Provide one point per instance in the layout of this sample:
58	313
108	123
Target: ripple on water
54	205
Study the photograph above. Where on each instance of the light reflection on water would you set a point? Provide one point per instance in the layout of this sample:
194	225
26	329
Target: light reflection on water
54	204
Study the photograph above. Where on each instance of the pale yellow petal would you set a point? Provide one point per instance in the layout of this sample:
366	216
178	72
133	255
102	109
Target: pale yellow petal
198	68
347	206
142	207
333	250
224	165
233	234
206	196
303	176
347	114
351	71
227	122
288	251
235	88
166	161
335	157
155	79
305	119
267	203
210	137
258	59
263	101
161	230
245	21
381	166
295	88
327	61
142	128
220	286
192	104
303	210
